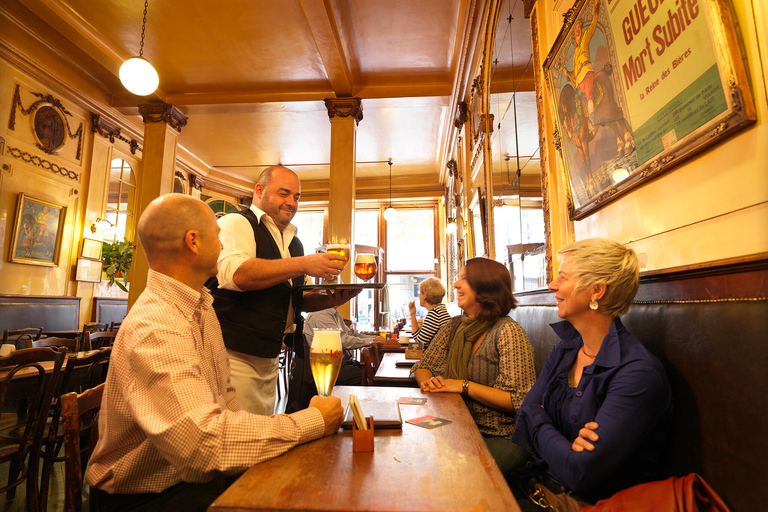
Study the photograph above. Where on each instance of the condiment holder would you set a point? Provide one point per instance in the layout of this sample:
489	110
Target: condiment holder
362	440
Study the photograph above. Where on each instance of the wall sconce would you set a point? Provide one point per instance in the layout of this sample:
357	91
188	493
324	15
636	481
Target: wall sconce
390	213
450	226
101	224
137	74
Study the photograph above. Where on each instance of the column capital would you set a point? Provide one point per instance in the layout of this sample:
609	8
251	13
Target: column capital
163	113
345	107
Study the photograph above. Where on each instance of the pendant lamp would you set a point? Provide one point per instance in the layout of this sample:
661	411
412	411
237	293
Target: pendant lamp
137	74
390	213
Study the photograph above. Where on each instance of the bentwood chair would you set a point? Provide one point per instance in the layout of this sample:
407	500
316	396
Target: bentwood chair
97	340
19	337
79	373
72	344
26	374
114	326
366	366
81	431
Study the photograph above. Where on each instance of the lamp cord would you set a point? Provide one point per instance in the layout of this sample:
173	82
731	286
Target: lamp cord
143	28
390	183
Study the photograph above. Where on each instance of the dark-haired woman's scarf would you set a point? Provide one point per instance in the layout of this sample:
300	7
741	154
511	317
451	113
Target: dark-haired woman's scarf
461	346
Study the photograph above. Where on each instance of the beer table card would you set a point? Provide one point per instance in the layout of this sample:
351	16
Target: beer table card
386	414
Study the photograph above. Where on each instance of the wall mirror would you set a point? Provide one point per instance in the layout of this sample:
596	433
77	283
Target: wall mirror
519	233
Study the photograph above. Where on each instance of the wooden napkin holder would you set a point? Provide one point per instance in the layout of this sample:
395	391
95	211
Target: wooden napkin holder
413	354
362	440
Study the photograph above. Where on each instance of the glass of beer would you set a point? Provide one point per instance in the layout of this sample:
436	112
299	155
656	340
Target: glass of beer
325	359
365	266
340	249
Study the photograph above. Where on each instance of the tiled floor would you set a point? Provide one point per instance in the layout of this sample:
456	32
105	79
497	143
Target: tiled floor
55	496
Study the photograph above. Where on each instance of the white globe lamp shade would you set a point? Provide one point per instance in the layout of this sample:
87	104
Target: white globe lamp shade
390	214
451	227
138	76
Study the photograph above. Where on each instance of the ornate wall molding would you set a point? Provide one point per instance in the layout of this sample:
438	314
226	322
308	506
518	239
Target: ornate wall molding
462	115
105	128
345	107
42	163
50	121
163	113
196	182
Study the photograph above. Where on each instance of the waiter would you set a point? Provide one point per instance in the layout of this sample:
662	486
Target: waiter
260	266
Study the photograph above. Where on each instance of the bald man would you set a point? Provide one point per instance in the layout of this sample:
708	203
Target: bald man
173	434
255	297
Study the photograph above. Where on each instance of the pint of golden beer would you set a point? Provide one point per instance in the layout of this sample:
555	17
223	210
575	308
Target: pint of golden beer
342	249
325	359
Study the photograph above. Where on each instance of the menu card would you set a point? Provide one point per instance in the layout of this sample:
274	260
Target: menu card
385	414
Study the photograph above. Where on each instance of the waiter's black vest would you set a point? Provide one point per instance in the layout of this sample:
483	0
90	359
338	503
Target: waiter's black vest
253	322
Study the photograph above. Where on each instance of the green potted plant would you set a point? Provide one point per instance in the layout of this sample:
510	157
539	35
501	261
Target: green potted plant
116	260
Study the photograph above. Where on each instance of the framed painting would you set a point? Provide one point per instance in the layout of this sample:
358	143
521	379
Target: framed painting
88	270
37	231
637	87
91	249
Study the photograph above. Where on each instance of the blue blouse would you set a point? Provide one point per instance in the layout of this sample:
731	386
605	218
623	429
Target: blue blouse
625	390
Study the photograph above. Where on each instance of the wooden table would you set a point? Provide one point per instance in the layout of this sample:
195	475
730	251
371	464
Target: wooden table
22	375
442	469
389	374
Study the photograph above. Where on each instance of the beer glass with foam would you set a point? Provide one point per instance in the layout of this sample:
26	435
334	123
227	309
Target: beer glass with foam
365	266
325	359
339	249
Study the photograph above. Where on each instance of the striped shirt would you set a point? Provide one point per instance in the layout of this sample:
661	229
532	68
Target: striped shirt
436	318
504	360
169	413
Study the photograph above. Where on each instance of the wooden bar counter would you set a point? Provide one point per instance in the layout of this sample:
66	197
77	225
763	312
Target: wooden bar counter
441	469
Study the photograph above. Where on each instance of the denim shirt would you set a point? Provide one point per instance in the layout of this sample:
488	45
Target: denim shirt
625	390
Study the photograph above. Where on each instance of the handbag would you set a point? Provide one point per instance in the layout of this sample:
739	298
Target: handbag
549	494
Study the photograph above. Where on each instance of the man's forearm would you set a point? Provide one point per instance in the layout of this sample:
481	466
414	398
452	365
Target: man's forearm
258	274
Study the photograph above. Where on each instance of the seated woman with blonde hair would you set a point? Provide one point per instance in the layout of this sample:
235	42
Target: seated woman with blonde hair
431	293
597	418
482	354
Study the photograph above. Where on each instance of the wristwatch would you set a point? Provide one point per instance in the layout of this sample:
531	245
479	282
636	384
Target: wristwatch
465	388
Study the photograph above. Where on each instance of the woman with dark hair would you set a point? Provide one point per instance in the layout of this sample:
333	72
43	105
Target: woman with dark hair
597	418
482	354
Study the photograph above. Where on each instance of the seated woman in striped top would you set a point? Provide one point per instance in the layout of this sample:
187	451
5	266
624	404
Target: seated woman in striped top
431	293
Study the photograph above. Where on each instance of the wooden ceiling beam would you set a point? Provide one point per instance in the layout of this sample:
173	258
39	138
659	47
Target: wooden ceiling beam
327	39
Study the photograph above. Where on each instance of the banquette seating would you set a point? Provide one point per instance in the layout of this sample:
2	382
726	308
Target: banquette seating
709	332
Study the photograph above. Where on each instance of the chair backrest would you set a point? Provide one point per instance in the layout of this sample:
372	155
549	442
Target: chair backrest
366	366
28	374
71	334
377	354
85	371
114	326
72	344
80	423
97	340
19	337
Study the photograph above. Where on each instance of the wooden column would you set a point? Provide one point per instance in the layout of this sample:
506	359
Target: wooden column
162	125
345	114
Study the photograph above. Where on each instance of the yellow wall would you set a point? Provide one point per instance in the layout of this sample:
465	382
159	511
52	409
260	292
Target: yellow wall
712	207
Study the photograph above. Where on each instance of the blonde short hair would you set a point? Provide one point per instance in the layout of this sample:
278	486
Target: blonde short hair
433	290
600	261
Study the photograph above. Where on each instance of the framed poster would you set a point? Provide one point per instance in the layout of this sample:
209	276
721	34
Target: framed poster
91	249
37	231
637	87
88	270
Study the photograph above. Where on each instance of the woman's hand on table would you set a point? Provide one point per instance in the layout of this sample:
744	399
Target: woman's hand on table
586	437
330	408
438	384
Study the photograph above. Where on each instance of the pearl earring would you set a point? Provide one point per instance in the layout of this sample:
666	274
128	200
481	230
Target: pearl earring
593	305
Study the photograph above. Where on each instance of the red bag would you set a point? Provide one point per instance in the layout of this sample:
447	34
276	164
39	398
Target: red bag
677	494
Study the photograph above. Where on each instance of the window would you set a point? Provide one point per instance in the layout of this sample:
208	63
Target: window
367	227
513	226
221	207
121	196
411	241
309	229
